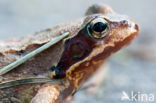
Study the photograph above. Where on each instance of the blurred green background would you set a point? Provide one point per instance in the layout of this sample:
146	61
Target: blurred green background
131	69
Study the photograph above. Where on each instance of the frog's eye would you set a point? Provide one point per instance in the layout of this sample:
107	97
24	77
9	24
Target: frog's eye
98	28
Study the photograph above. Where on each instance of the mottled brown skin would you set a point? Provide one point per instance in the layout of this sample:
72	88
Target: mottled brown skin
122	31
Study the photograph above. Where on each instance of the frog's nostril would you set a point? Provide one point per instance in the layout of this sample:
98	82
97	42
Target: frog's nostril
124	22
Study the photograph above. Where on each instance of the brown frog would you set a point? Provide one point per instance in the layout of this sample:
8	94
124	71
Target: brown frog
74	59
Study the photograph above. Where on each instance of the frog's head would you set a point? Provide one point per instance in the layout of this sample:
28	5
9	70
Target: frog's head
99	37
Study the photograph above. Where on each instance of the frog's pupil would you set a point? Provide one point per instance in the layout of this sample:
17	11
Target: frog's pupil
99	27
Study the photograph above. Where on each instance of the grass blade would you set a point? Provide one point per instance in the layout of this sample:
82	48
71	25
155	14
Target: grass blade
29	81
31	54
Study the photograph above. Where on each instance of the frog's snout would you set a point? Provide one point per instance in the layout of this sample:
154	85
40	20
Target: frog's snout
134	26
131	25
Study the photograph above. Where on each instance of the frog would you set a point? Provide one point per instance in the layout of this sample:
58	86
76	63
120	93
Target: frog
91	40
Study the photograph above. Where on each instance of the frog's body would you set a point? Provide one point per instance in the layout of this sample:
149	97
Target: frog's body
75	58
